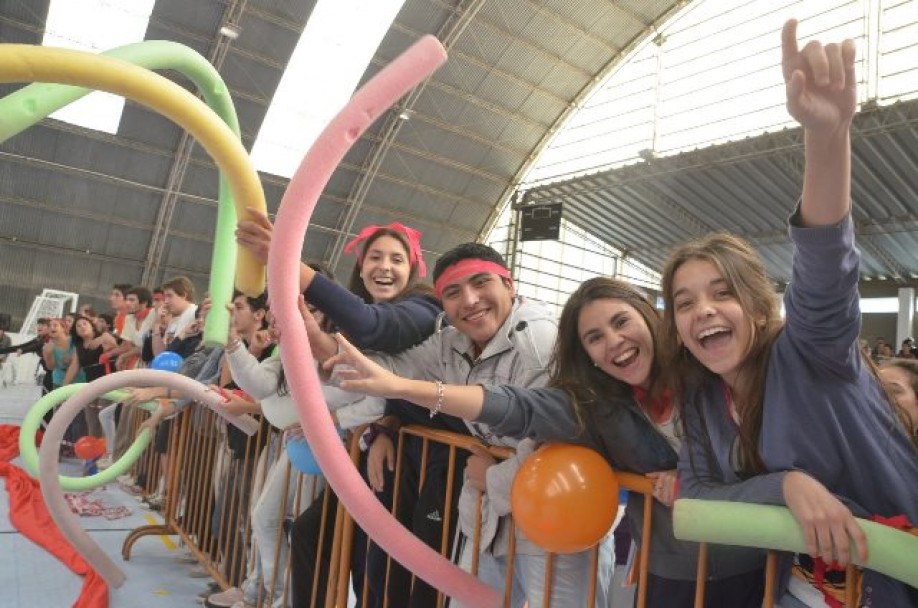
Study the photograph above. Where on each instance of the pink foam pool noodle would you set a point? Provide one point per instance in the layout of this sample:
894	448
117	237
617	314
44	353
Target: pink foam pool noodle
296	208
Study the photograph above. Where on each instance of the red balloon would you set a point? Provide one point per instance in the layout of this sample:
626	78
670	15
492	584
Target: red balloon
89	447
564	498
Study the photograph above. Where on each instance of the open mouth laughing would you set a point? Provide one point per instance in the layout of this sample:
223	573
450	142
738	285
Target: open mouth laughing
714	337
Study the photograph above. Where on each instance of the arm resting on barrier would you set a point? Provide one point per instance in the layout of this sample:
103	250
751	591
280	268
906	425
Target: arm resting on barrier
892	552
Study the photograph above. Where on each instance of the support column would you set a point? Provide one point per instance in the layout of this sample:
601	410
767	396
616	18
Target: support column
906	317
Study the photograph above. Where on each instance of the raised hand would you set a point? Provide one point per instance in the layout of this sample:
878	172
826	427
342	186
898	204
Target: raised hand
323	345
233	335
261	341
361	374
820	81
255	234
204	309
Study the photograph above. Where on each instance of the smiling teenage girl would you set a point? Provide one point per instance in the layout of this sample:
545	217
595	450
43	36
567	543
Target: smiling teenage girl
605	392
787	412
385	310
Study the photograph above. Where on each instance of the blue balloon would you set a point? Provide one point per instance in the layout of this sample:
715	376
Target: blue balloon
167	361
301	456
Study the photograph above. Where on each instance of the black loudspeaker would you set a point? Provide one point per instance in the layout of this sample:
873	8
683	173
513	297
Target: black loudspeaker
540	222
5	321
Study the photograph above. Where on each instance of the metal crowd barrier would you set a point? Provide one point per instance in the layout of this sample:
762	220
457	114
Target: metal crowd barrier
455	442
209	498
201	470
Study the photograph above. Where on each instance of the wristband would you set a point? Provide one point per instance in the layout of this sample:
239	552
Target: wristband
439	405
234	345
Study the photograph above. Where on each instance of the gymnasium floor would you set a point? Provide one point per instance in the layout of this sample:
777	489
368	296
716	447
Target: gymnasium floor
29	576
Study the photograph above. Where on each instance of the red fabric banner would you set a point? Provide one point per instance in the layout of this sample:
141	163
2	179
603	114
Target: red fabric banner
29	515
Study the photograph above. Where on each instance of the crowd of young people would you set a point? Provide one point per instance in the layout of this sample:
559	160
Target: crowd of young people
718	397
759	408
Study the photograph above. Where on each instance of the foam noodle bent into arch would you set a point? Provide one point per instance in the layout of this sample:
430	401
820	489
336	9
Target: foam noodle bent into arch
283	269
48	467
26	63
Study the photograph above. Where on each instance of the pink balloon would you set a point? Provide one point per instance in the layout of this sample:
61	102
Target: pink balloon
296	208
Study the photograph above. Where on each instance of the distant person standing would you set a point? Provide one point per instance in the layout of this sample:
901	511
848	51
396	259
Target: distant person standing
5	340
34	345
119	306
5	343
178	301
137	324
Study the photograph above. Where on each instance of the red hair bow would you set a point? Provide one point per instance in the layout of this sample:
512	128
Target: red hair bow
411	235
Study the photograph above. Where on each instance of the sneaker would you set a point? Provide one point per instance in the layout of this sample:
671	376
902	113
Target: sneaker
199	572
225	599
133	489
212	588
104	462
155	502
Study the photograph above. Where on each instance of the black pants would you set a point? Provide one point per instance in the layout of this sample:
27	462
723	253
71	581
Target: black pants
47	387
422	512
741	591
304	547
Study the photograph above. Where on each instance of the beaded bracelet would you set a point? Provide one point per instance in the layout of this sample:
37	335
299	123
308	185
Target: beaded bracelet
234	345
439	405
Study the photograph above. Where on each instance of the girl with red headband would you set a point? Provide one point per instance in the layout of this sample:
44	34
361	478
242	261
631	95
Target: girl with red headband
386	310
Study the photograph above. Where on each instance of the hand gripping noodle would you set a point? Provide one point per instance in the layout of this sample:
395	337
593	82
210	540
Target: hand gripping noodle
891	552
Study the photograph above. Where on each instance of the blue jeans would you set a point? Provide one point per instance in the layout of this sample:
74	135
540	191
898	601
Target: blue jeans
569	587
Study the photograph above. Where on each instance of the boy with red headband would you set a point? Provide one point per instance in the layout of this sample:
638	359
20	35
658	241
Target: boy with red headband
494	337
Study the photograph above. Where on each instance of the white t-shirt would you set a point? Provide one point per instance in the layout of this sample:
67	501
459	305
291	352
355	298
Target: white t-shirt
181	322
134	334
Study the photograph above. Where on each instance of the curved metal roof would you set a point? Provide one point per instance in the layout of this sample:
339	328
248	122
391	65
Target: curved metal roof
749	188
80	209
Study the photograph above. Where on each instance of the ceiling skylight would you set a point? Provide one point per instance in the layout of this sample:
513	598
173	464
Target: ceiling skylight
96	25
711	75
334	50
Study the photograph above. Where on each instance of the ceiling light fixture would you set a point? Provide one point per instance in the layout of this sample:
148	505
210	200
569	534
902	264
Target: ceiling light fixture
230	31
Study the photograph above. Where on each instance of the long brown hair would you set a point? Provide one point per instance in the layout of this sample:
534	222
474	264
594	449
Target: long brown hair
356	284
571	367
909	366
744	273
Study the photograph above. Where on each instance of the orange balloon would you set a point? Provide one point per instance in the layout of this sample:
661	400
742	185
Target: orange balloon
89	447
564	498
